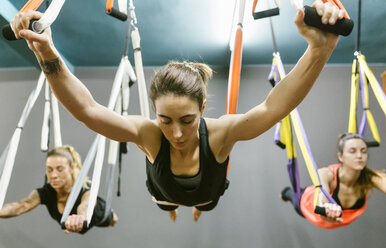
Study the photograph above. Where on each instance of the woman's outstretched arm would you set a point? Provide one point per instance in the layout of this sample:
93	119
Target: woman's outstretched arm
17	208
380	181
70	91
284	97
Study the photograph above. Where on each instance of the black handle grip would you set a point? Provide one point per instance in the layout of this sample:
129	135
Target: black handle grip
342	26
84	228
10	35
117	14
372	143
322	211
266	13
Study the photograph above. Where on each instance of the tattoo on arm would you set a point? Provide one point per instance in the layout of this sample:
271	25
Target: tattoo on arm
17	208
52	67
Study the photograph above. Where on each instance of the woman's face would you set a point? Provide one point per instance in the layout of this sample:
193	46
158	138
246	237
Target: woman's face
59	172
354	154
178	117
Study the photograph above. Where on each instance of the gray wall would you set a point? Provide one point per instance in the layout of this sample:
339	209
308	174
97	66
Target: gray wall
250	214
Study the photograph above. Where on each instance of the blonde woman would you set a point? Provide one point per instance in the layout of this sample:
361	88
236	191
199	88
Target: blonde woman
63	165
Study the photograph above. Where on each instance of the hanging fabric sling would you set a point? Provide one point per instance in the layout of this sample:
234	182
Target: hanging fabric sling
124	77
51	112
284	137
7	159
38	26
360	79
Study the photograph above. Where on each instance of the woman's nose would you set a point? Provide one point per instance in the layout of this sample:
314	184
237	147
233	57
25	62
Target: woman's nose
177	132
54	174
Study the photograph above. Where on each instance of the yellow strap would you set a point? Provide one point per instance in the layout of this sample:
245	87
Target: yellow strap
287	138
378	92
373	126
370	119
307	158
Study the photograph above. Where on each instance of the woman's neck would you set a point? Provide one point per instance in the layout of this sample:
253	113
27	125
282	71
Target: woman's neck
188	151
64	192
348	176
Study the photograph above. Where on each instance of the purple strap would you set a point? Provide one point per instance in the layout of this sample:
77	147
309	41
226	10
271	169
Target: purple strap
293	173
292	163
362	128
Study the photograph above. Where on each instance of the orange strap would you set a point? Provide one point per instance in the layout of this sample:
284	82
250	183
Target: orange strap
338	4
233	85
31	5
254	6
109	5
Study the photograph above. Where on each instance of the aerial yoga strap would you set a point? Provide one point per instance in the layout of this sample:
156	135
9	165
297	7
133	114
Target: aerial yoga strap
51	112
277	72
284	138
361	78
7	158
124	78
136	40
235	64
38	26
96	151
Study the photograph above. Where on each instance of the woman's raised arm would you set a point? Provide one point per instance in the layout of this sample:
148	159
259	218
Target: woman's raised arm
284	97
70	91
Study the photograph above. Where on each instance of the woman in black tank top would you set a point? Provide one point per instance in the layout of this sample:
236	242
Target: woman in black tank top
63	165
178	94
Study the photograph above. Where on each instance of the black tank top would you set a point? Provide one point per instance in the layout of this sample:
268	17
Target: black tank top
48	197
358	204
163	186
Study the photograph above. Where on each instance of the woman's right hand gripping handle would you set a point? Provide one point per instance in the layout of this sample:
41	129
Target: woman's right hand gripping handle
40	44
330	212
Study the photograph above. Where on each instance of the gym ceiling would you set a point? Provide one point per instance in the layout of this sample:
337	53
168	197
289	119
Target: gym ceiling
197	30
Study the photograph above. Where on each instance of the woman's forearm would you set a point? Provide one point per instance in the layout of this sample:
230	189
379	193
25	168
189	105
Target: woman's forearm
295	86
68	89
17	208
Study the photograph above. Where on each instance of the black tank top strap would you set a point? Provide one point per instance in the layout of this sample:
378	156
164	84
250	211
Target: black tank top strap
336	190
358	204
204	144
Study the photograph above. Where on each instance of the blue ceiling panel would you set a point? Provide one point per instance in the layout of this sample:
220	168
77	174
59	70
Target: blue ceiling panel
197	30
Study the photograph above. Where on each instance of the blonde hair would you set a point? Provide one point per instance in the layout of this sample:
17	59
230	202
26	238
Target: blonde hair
181	79
73	159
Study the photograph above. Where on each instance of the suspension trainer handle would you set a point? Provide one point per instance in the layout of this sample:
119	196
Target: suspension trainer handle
37	25
84	227
10	35
110	10
322	211
265	13
342	26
